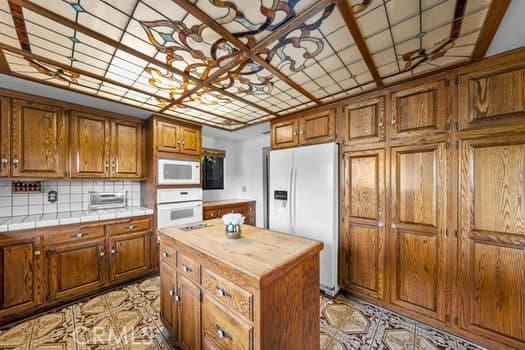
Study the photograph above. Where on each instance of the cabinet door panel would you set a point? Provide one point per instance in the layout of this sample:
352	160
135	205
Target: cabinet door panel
126	158
168	290
76	269
492	98
284	134
89	146
5	137
38	140
191	141
167	137
130	255
365	121
317	128
362	251
421	110
492	241
20	273
189	314
418	221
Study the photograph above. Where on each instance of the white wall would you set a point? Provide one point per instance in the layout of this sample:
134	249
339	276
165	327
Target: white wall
243	170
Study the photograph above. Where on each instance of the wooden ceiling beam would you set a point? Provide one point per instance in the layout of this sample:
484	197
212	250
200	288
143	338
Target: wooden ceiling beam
292	24
359	39
4	66
284	78
46	60
492	21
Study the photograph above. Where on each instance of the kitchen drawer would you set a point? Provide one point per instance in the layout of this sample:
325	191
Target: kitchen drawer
189	268
129	226
223	331
168	254
211	214
231	296
75	234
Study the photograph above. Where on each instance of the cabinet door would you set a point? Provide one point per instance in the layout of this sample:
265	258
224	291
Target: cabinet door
127	146
284	134
38	140
168	291
130	255
189	310
5	137
492	239
418	225
20	273
362	251
90	137
493	97
167	137
191	141
365	121
421	111
76	269
317	128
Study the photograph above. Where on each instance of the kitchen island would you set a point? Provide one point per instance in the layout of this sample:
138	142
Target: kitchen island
257	292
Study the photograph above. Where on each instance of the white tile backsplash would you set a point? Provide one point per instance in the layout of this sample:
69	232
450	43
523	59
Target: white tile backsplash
72	196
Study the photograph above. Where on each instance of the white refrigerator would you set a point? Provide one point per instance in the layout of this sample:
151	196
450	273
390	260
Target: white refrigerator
303	201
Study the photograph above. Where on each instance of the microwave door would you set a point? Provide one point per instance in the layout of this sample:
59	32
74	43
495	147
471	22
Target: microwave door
172	172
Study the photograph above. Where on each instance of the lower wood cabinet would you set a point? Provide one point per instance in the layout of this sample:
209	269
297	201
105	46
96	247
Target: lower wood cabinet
189	313
216	209
43	268
21	273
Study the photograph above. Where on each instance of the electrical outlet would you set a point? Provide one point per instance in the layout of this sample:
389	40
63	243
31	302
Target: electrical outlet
244	188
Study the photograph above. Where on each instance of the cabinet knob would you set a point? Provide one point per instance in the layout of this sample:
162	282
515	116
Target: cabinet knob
15	162
78	235
131	227
221	333
37	252
165	254
177	298
222	293
4	161
106	165
102	253
171	293
393	121
186	268
113	251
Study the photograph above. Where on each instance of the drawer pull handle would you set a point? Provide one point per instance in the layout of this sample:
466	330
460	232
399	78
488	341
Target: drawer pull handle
222	293
165	254
79	235
177	298
131	227
186	268
221	333
171	292
37	252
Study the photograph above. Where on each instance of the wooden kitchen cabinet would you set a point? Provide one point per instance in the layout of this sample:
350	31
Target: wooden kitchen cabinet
105	148
365	121
39	140
363	241
168	290
171	137
191	141
130	255
419	175
5	137
285	134
492	238
21	272
189	313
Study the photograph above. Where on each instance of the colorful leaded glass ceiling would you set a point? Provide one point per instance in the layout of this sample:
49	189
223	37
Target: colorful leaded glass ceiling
233	63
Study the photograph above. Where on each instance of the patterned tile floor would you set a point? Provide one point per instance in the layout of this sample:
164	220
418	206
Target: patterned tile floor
128	318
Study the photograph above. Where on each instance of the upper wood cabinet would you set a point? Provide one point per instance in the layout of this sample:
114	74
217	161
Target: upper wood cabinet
422	110
365	121
362	251
492	97
38	140
5	137
171	137
21	272
492	238
418	188
306	130
105	148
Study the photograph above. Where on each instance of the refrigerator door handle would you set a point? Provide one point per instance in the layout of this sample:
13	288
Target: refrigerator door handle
290	224
294	199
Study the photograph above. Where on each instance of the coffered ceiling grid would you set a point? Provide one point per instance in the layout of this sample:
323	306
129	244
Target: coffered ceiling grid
234	63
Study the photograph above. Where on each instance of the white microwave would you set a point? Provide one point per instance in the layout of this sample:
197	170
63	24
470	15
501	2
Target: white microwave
178	172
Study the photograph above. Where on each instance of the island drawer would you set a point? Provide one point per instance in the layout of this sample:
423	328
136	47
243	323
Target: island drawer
228	294
189	268
168	254
75	234
222	330
129	226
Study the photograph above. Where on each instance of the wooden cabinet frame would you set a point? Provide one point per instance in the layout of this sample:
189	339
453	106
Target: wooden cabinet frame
5	137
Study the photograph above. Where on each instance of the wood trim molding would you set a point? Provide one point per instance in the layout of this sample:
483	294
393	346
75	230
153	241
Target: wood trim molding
493	19
359	40
213	152
4	66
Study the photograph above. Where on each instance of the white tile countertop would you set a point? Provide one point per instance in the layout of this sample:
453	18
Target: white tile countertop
13	223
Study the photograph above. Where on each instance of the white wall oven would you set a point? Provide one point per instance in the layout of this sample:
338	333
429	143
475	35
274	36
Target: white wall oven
178	172
178	206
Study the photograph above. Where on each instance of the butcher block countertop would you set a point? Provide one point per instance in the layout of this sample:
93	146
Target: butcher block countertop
257	253
224	202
